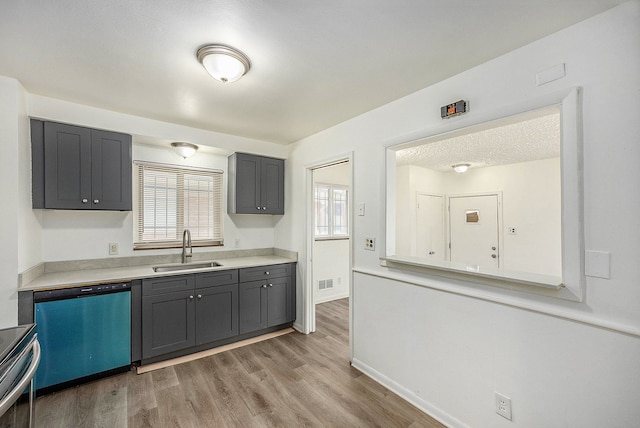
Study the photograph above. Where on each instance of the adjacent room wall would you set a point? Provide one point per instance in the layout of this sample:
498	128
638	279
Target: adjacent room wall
331	257
530	203
448	345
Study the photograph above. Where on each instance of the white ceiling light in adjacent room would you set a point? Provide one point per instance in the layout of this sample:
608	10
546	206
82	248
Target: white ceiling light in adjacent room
223	63
185	150
461	167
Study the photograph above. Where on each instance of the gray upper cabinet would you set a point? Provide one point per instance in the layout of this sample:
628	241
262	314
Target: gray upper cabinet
80	168
256	184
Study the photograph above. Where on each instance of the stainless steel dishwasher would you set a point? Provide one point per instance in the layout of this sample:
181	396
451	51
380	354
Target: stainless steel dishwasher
84	333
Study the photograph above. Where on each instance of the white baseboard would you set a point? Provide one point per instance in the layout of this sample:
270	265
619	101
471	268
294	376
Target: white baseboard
325	299
436	413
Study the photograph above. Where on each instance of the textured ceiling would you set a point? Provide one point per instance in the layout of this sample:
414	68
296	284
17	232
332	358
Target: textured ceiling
522	138
314	63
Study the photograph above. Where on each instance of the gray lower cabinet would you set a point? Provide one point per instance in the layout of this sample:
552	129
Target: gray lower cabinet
179	312
183	311
268	301
80	168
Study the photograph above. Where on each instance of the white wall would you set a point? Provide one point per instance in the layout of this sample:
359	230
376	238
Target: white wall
531	202
331	257
448	345
74	235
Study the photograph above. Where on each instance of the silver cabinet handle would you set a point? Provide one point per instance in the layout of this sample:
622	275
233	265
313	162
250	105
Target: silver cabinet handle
264	208
493	248
264	286
199	296
190	297
96	201
259	208
431	253
85	200
270	285
266	273
493	256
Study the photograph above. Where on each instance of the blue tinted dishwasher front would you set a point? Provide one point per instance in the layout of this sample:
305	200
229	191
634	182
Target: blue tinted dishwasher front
84	332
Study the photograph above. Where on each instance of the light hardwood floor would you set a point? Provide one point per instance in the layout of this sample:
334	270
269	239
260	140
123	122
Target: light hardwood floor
293	380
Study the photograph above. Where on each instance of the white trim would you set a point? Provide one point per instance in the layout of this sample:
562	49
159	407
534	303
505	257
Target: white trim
428	408
570	102
308	304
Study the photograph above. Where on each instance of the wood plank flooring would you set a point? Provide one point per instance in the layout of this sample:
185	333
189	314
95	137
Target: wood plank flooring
294	380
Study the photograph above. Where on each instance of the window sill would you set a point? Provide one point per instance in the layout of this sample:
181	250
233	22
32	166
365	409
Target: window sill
333	238
497	276
168	245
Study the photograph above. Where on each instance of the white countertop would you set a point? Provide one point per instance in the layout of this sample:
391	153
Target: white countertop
74	278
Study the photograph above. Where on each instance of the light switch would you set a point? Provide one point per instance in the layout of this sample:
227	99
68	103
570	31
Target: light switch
113	248
597	264
361	209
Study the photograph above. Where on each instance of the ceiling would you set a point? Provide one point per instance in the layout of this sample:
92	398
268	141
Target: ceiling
314	64
525	137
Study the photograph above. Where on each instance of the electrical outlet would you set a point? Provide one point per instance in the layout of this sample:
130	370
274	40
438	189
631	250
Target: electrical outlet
512	231
503	406
113	248
370	244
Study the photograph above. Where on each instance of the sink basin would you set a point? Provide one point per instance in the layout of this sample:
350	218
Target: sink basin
185	266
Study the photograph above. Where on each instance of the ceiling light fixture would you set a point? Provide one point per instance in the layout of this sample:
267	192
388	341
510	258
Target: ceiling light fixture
185	150
223	63
461	167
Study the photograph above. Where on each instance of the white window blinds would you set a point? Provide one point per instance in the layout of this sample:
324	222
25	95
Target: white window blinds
172	198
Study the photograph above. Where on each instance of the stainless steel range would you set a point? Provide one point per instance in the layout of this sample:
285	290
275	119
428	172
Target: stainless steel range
19	358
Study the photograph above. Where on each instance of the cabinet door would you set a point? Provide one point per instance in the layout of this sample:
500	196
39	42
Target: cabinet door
247	181
278	301
168	323
216	313
252	302
272	186
67	164
110	171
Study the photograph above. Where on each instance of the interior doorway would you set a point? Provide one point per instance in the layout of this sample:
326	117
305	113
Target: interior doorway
331	232
329	235
430	227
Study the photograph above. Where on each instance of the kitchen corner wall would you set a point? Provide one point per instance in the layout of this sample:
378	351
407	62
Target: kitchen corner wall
20	229
448	346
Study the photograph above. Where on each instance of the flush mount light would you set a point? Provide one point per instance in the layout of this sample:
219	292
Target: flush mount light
184	149
223	63
461	167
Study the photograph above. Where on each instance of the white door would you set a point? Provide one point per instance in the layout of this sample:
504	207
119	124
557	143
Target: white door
430	242
473	226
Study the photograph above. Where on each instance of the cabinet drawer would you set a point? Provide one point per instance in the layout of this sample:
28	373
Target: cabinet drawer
167	284
214	279
264	272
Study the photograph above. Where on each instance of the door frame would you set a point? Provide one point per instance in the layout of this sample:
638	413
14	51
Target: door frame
497	193
308	305
445	202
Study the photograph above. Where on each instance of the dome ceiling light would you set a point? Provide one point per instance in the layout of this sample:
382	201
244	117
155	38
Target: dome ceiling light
461	167
185	150
223	63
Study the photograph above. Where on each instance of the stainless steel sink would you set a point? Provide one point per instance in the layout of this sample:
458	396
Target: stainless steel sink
185	266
